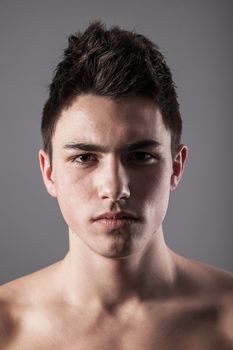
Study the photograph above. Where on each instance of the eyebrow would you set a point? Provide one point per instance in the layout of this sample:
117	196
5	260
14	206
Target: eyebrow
104	149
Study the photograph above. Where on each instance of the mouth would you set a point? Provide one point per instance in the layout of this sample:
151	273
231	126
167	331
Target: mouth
116	220
116	223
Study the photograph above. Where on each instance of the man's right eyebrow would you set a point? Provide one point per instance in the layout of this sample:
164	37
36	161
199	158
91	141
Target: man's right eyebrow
148	143
86	147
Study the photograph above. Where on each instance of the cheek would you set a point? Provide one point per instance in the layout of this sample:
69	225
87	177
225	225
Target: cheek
72	186
154	194
155	184
73	194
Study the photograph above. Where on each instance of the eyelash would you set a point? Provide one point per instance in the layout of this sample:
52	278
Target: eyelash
151	157
74	159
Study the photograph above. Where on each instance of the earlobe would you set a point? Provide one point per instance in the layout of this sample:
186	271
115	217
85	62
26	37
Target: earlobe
178	166
47	172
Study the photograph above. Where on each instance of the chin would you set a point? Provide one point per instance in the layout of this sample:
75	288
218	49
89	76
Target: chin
117	247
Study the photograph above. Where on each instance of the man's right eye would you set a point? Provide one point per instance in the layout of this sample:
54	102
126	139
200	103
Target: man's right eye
84	158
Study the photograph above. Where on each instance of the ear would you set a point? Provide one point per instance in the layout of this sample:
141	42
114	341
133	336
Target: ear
47	172
178	166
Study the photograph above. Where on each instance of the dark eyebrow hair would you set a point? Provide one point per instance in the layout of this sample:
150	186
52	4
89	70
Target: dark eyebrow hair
104	149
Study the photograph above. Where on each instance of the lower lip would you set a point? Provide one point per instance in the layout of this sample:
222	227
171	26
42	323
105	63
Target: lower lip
115	223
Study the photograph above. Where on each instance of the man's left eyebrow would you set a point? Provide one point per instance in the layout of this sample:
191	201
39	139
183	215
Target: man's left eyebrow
103	149
142	144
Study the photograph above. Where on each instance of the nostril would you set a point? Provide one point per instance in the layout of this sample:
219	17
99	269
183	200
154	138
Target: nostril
113	183
114	192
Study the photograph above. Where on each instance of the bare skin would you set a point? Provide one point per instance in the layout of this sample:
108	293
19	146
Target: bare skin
119	287
194	313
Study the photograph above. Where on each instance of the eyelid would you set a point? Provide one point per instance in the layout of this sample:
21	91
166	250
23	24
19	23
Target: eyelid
125	155
151	154
143	151
74	158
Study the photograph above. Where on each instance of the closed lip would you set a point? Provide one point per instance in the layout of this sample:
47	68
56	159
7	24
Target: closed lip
117	215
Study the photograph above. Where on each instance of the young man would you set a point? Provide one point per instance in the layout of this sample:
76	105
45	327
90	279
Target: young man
112	154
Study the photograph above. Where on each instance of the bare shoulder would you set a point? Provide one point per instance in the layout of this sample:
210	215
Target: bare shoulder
10	311
8	322
17	298
212	288
205	278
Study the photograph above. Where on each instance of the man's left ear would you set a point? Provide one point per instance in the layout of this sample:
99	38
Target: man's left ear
178	166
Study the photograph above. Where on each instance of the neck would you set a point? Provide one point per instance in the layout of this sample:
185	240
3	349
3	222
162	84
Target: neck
87	276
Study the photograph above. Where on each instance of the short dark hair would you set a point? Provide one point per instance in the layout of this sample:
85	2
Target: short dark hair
114	63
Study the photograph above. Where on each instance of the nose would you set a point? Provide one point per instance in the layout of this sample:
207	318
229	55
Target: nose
113	181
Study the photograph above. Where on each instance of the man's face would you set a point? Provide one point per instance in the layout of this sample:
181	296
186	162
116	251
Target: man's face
111	156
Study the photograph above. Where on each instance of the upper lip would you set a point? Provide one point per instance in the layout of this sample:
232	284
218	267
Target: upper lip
116	215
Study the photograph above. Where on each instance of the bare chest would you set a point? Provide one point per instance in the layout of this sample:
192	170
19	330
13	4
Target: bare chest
131	340
154	330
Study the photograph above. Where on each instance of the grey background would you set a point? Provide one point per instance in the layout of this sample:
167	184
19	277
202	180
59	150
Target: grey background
196	38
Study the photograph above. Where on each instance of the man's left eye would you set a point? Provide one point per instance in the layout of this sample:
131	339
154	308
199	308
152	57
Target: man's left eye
141	156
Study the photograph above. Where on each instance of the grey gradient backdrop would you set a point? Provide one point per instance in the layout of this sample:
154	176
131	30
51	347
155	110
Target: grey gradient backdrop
196	38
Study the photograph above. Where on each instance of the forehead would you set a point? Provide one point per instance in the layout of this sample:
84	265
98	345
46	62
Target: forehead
111	122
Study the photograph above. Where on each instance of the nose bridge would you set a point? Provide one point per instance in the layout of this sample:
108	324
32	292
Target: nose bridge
114	182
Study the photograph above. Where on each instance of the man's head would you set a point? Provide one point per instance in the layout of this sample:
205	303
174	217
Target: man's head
114	63
109	126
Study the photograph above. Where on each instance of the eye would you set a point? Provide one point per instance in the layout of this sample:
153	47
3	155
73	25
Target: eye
84	158
142	157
